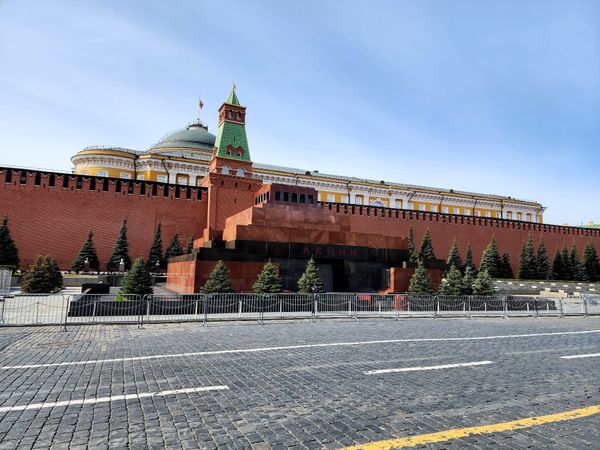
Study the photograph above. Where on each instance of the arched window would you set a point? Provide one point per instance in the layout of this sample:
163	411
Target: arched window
229	149
225	170
240	172
239	151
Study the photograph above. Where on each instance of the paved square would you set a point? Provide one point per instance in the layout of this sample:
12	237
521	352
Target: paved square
326	385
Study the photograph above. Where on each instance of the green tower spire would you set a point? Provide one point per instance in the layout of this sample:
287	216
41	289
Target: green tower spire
231	141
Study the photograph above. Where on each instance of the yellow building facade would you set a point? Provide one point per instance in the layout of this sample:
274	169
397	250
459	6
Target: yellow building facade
182	157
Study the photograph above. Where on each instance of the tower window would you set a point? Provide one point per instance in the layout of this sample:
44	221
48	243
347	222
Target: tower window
229	149
240	172
225	170
239	151
294	197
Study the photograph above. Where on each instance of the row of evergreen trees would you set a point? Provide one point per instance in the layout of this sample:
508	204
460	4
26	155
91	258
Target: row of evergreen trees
156	258
139	281
533	265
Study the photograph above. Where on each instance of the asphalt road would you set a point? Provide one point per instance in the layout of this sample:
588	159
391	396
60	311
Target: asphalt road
331	384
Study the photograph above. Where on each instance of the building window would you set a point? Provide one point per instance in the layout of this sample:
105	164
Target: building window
225	170
162	178
445	209
421	207
456	211
125	175
330	198
286	196
294	197
240	172
378	203
528	216
509	215
102	173
358	199
302	198
239	151
477	213
467	212
182	180
84	172
410	206
277	195
519	216
141	177
498	215
398	204
344	199
488	214
433	208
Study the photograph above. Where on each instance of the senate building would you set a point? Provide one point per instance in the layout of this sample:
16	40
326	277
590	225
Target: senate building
182	157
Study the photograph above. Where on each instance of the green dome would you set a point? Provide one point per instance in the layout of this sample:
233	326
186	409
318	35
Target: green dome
194	136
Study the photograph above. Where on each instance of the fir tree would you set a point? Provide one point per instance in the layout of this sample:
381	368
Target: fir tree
426	253
310	278
155	257
43	276
484	284
190	245
120	251
452	283
469	260
527	260
174	248
591	264
268	281
505	267
468	280
490	260
542	266
576	267
219	280
87	252
420	283
558	271
9	255
412	252
454	256
566	262
138	280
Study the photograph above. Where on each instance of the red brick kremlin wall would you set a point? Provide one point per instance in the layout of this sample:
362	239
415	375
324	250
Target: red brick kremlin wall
56	220
474	230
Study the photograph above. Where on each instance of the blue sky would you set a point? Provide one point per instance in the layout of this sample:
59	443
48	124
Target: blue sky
494	97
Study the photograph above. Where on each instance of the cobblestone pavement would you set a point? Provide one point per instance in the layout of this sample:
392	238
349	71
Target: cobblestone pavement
301	396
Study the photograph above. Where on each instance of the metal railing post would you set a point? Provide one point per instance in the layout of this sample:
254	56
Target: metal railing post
436	308
355	313
205	304
505	307
470	315
280	307
240	308
63	314
37	311
196	307
562	311
94	309
535	307
149	299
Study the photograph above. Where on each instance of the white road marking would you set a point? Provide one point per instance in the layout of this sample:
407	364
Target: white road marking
588	355
113	398
294	347
418	369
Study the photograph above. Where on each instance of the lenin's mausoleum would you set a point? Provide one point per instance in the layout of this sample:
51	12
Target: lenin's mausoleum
197	184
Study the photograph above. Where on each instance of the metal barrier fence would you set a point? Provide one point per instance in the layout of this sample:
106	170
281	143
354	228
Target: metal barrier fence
58	309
